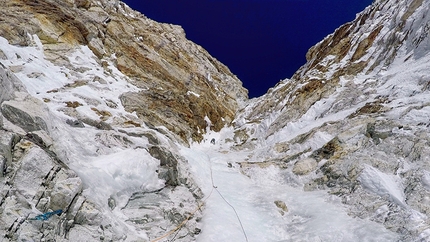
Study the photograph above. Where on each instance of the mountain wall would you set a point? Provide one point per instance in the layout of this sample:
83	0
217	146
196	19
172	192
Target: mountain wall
95	101
179	82
101	109
355	114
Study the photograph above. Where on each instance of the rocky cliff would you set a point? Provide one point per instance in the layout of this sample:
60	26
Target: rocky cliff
105	113
96	85
178	81
356	115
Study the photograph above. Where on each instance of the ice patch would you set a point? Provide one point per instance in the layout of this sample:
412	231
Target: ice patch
193	93
383	184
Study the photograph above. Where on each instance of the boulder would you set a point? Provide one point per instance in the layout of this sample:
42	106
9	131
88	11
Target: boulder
27	112
168	163
305	166
75	123
35	166
282	206
240	136
64	192
88	214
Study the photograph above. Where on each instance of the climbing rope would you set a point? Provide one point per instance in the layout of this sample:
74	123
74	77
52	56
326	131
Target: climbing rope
237	215
46	216
225	200
201	204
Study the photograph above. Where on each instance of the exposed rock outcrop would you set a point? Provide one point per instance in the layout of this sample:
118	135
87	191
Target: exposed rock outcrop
97	101
9	84
35	180
152	78
353	116
304	166
179	83
25	112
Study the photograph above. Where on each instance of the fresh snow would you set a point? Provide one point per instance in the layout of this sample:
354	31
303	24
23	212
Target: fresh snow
193	93
383	184
311	216
107	166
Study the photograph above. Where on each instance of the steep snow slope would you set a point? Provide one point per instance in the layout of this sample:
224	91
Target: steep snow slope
354	119
102	97
115	165
263	206
91	125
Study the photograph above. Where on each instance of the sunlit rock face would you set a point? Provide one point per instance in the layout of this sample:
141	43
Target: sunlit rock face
179	83
359	107
98	104
95	99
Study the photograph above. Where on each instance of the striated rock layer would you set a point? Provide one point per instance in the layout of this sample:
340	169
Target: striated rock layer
179	83
97	103
95	99
356	116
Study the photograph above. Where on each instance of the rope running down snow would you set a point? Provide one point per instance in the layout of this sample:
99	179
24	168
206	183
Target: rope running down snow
201	204
237	215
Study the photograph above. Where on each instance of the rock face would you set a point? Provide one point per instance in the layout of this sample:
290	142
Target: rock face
97	101
95	84
355	116
33	179
179	82
25	112
304	166
36	178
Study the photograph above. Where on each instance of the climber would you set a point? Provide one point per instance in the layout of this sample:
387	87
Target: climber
213	141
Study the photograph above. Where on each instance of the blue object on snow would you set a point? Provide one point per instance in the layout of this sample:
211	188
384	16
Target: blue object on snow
47	215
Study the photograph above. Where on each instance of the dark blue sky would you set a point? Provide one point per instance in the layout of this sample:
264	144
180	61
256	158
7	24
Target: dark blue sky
261	41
